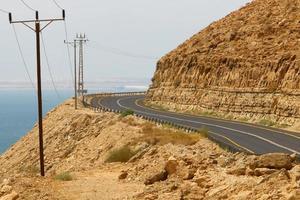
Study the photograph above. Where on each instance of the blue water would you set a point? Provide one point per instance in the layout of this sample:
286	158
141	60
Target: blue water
18	112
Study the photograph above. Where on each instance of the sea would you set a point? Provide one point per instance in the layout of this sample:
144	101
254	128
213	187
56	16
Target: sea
18	110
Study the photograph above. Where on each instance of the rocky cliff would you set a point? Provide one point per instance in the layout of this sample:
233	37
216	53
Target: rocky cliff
246	64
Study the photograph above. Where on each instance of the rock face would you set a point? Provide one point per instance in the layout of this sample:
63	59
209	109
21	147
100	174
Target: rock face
246	64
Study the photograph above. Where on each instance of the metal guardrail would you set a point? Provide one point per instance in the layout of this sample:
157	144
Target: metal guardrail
101	109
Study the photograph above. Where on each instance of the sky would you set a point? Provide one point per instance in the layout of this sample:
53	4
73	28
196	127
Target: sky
126	37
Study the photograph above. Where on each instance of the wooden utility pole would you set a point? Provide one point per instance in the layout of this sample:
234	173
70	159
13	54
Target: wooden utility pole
37	29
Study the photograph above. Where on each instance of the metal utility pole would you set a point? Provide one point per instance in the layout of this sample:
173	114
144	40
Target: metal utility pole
37	29
74	44
81	39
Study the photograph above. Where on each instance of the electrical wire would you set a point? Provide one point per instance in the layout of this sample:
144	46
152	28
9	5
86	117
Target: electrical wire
48	66
68	50
57	4
22	56
4	11
123	53
29	7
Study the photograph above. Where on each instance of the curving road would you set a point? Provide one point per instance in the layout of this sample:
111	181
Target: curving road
245	137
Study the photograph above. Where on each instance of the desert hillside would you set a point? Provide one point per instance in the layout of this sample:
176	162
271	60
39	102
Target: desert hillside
108	156
245	65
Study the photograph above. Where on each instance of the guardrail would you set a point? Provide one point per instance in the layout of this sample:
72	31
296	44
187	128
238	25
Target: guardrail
100	109
99	95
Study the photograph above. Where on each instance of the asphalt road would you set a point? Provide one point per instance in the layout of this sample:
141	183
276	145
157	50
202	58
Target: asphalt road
246	137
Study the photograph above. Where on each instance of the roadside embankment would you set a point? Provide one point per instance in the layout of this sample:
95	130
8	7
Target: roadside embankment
106	156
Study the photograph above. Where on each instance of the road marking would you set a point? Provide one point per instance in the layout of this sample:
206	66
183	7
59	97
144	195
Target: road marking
233	142
208	124
221	120
224	137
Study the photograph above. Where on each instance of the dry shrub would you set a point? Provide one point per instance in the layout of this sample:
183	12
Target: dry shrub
147	128
30	169
64	176
162	136
122	154
266	122
130	121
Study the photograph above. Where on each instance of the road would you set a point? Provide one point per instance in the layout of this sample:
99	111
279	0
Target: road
246	137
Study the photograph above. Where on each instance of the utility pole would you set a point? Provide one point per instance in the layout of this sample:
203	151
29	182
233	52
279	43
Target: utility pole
38	29
74	44
81	39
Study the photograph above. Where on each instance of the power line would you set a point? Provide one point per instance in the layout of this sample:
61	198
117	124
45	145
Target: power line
48	66
22	56
68	50
57	4
124	53
4	11
29	7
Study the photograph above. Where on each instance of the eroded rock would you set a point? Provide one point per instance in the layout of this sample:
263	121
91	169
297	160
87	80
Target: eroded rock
171	166
12	196
159	176
272	161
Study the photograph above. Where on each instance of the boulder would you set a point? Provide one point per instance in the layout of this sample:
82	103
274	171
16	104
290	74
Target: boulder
295	173
12	196
159	176
6	189
171	166
189	173
237	171
295	195
225	161
123	175
263	171
272	161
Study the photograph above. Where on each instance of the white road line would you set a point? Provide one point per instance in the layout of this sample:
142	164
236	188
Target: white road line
228	121
208	124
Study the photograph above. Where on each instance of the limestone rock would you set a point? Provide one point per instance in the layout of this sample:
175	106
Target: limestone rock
295	173
237	171
171	165
242	64
6	189
159	176
12	196
295	195
123	175
263	171
272	161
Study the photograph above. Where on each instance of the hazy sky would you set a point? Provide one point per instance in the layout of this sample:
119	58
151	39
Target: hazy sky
146	28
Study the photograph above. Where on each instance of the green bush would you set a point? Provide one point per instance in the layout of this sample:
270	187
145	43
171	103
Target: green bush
204	131
127	112
64	176
122	154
